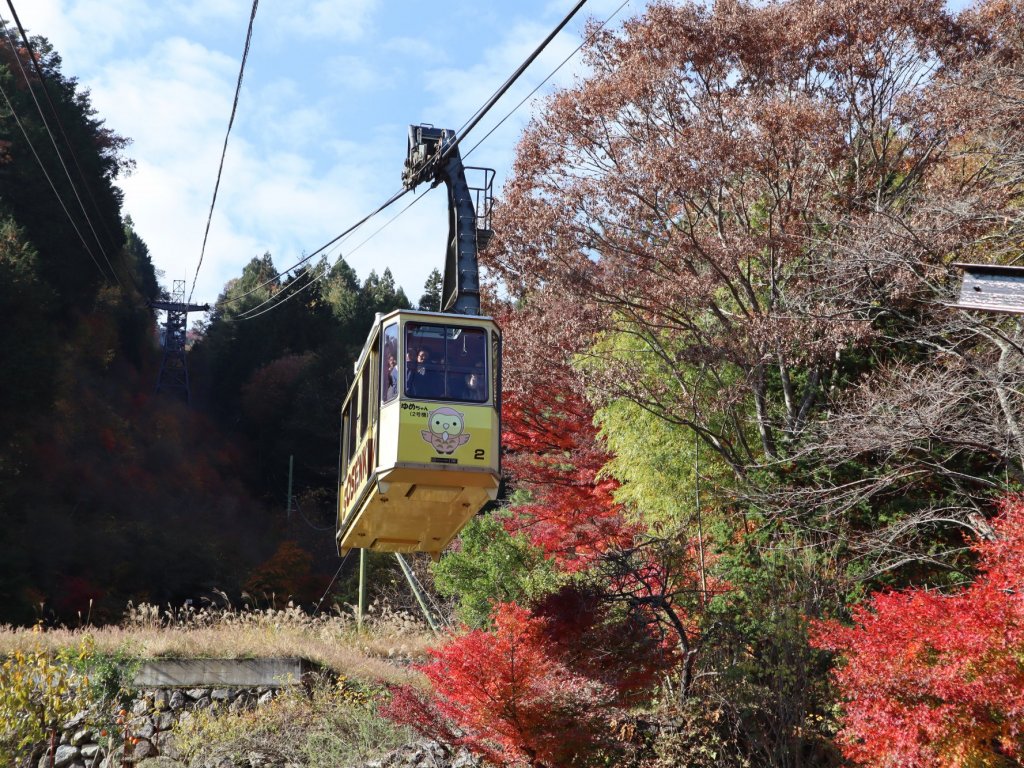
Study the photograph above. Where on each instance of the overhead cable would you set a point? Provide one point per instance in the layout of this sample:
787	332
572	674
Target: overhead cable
53	140
479	115
60	123
551	74
309	522
224	151
386	224
511	112
501	91
463	132
396	196
49	180
251	313
331	584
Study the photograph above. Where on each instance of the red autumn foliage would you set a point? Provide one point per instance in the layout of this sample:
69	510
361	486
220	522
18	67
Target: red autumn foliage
508	697
937	680
552	451
624	652
287	572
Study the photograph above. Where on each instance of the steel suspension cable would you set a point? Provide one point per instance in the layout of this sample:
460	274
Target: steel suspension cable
247	315
511	112
467	127
503	89
386	224
60	123
49	180
224	151
333	579
396	196
251	313
49	133
553	72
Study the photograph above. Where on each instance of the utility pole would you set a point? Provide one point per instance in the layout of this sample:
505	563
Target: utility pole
173	366
288	511
361	607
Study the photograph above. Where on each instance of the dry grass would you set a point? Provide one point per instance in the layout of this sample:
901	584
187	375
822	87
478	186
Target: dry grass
381	652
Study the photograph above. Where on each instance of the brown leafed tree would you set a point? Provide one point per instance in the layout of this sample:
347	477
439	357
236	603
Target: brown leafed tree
743	220
933	426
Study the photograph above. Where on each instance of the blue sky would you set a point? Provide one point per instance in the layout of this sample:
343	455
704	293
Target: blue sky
319	138
320	135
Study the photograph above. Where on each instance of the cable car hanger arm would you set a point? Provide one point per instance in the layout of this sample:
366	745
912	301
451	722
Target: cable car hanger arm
434	158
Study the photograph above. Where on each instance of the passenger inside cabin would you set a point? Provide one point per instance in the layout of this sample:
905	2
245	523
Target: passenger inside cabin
391	378
424	379
473	388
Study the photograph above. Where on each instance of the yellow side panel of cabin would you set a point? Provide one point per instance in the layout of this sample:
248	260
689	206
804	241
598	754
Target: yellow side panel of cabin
438	465
451	435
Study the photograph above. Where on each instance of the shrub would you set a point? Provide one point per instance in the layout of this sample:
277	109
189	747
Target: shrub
39	690
937	680
107	677
507	696
492	565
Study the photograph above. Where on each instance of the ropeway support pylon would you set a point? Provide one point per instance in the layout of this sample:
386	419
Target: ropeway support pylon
173	366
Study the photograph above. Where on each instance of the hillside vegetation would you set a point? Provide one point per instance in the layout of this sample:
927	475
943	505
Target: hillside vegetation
380	653
762	480
100	478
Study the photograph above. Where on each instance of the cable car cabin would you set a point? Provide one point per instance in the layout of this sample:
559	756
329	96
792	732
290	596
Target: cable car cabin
420	432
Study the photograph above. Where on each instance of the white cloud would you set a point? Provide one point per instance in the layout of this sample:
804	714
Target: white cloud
198	13
416	48
83	35
342	20
356	73
461	91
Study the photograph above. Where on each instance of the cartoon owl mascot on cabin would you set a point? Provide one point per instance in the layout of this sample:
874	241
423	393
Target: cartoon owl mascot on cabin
445	433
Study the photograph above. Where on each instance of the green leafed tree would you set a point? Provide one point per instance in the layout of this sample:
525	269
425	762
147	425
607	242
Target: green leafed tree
79	249
492	565
430	301
381	294
142	264
342	293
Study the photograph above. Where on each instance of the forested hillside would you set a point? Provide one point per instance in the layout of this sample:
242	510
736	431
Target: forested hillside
109	493
78	356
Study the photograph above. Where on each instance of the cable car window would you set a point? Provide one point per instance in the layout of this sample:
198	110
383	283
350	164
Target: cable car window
446	362
364	398
350	417
389	363
496	357
342	445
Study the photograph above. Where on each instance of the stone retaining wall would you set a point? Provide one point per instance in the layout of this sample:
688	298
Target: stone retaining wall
148	727
150	742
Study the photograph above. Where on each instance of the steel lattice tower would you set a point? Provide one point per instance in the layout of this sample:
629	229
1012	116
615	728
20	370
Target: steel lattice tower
173	366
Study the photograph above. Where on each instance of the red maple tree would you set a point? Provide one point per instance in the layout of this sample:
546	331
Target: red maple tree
507	697
931	679
588	630
553	452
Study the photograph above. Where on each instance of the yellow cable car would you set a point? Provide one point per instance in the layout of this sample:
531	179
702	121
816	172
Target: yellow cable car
421	424
420	432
